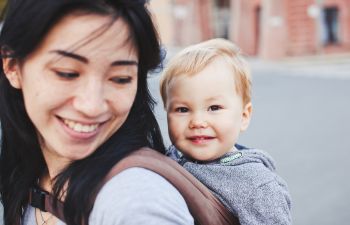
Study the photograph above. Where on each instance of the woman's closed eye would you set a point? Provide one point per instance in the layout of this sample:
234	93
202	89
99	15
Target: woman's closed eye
122	80
214	108
66	75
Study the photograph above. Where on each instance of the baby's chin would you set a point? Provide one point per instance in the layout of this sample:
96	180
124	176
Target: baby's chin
203	158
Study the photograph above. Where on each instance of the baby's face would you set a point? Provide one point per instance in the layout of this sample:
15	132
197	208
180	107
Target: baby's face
205	113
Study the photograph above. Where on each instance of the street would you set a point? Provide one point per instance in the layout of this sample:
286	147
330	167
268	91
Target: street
301	117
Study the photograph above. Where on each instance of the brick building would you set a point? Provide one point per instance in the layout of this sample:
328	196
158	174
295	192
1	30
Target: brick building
267	28
188	21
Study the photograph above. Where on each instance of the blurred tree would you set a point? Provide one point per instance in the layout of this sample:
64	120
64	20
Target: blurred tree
2	4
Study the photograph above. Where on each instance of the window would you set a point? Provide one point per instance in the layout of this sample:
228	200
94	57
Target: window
221	13
330	25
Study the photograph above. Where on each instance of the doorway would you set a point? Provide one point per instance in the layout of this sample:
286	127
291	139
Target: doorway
330	26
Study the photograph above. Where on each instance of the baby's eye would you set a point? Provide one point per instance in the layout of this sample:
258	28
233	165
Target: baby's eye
181	109
121	80
214	108
67	75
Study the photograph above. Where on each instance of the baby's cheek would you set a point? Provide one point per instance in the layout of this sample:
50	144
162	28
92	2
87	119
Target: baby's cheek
229	131
173	130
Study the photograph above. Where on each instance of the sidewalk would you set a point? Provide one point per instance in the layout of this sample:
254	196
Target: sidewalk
323	66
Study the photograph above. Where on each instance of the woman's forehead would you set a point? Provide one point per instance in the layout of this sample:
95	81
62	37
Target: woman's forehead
90	34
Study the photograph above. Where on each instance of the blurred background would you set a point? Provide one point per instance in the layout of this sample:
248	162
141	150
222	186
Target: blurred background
270	29
299	52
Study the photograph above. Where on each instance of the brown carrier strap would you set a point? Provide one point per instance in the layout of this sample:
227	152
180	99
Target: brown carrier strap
205	208
44	201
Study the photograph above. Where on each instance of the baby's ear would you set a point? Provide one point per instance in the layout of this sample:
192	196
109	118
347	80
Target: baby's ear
12	71
246	116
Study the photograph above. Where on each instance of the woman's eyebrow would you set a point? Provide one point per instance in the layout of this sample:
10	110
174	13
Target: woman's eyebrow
71	55
85	60
124	63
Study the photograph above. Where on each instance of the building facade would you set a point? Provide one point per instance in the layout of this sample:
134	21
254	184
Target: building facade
187	21
265	28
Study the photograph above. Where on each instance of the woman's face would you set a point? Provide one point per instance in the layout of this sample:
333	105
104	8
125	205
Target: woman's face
79	85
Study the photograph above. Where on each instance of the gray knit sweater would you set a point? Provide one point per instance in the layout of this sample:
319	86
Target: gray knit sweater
246	183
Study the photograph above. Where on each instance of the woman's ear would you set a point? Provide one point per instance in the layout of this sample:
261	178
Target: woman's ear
12	71
246	116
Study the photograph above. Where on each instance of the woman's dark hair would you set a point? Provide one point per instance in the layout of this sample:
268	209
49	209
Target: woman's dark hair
26	23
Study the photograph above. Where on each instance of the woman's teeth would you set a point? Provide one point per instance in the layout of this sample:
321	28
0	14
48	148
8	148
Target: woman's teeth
78	127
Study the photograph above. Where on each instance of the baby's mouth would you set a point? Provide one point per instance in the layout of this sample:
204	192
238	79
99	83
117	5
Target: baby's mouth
200	138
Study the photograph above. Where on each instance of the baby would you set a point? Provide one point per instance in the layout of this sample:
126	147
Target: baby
206	94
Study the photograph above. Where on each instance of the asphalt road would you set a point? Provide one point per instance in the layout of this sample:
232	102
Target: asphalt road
301	117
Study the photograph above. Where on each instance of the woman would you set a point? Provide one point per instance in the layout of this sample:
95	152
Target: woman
74	101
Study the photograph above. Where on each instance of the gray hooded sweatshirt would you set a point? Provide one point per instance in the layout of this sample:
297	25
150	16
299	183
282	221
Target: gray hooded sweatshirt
246	183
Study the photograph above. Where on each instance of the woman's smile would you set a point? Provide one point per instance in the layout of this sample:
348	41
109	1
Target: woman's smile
78	130
80	127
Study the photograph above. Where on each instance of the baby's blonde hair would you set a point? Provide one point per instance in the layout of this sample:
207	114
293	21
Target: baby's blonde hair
195	58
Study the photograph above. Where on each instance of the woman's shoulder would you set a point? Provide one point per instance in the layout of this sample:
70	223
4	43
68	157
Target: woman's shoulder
139	196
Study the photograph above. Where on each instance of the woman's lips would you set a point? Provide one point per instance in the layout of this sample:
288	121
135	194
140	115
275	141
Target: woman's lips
78	130
80	127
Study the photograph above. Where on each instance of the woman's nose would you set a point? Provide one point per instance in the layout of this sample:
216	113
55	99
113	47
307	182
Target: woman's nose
90	99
